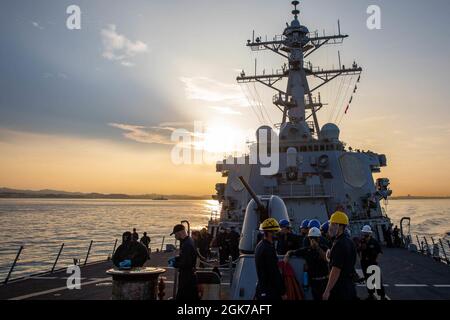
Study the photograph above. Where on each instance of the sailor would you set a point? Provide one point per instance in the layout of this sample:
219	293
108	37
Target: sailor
370	249
315	256
325	236
387	233
287	240
130	254
396	236
303	231
342	257
145	240
185	263
270	284
234	237
135	235
204	245
222	244
314	223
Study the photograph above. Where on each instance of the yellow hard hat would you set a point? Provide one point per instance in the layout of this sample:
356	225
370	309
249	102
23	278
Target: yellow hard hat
339	217
270	225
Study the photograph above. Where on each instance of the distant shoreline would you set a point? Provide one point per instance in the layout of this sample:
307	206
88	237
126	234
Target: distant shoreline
418	198
102	198
6	193
175	197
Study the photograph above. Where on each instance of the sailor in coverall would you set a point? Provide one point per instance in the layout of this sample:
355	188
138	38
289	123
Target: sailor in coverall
186	263
270	284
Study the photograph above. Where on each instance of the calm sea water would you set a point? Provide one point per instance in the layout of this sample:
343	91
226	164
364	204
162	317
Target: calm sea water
42	225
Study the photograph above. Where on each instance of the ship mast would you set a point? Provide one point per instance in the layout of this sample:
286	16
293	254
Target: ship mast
297	102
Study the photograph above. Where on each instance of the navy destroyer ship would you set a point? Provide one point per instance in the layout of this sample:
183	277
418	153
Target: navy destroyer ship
317	172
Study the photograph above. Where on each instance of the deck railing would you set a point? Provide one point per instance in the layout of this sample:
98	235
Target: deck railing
435	248
96	251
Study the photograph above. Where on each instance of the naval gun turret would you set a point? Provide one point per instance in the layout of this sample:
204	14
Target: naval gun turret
258	210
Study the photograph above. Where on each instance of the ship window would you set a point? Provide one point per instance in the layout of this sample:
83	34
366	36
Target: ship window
322	147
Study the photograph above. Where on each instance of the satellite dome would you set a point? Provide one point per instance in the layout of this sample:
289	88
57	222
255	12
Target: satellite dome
295	23
330	132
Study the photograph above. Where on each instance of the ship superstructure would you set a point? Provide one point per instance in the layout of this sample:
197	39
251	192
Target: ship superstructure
317	172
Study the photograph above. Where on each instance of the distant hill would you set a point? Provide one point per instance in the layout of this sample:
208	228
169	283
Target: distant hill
47	193
418	197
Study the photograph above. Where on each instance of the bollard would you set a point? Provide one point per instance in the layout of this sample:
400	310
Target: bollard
135	284
13	265
57	258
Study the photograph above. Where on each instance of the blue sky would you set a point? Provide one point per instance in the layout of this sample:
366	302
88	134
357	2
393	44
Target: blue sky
178	60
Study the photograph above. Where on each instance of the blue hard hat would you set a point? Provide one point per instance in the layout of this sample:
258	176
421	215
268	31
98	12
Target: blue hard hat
324	227
304	224
314	223
284	223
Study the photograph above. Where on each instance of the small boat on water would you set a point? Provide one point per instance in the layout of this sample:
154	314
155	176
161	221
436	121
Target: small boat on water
160	198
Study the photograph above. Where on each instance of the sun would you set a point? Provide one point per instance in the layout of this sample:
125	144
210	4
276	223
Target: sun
224	139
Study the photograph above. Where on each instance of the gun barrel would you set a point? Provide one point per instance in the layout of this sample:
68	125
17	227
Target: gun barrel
252	194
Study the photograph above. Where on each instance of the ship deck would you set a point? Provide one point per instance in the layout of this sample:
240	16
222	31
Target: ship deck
406	275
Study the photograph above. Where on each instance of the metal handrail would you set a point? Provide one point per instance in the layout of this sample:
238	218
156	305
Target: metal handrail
88	254
424	248
13	265
57	258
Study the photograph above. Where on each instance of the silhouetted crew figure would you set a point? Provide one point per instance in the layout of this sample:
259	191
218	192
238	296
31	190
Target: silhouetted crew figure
311	224
303	232
130	250
234	237
396	236
186	263
270	284
222	244
203	245
369	250
287	240
388	236
145	240
342	257
135	235
315	256
326	240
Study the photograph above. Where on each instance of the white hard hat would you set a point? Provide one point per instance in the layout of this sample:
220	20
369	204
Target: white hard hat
366	229
314	232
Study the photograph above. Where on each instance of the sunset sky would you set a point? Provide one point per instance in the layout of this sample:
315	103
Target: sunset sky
92	110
